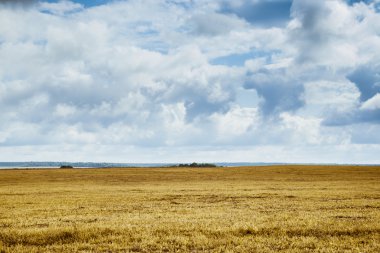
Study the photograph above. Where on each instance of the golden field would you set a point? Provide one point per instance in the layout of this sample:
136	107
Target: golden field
243	209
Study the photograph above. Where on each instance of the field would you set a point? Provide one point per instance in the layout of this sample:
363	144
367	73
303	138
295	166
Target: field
247	209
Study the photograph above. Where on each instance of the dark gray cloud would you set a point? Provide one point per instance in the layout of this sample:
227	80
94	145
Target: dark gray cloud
357	116
18	3
367	79
312	36
199	106
278	93
195	97
365	133
264	13
214	24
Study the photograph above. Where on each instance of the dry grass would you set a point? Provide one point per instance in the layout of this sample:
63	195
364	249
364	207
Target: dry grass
252	209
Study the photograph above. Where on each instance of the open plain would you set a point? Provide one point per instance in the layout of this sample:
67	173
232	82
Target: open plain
243	209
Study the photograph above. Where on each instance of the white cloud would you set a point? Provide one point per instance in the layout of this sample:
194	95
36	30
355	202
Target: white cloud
142	78
333	34
236	122
324	96
304	130
60	8
64	110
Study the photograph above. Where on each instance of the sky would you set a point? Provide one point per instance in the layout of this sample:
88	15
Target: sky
190	80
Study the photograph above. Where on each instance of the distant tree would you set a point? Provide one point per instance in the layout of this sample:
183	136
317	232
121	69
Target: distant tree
66	167
196	165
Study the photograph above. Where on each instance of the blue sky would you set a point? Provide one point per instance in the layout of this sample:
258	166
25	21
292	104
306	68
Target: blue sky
188	80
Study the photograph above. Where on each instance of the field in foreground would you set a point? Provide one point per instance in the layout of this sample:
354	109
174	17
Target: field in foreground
251	209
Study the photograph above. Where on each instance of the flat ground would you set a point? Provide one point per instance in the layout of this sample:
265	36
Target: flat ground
248	209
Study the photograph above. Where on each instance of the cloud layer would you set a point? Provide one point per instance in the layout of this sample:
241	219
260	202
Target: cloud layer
188	80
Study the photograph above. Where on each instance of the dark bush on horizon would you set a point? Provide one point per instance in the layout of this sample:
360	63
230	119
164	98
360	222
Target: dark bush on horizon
66	167
196	165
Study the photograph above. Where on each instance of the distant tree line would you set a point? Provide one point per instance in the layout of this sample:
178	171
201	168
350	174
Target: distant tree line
66	167
196	165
